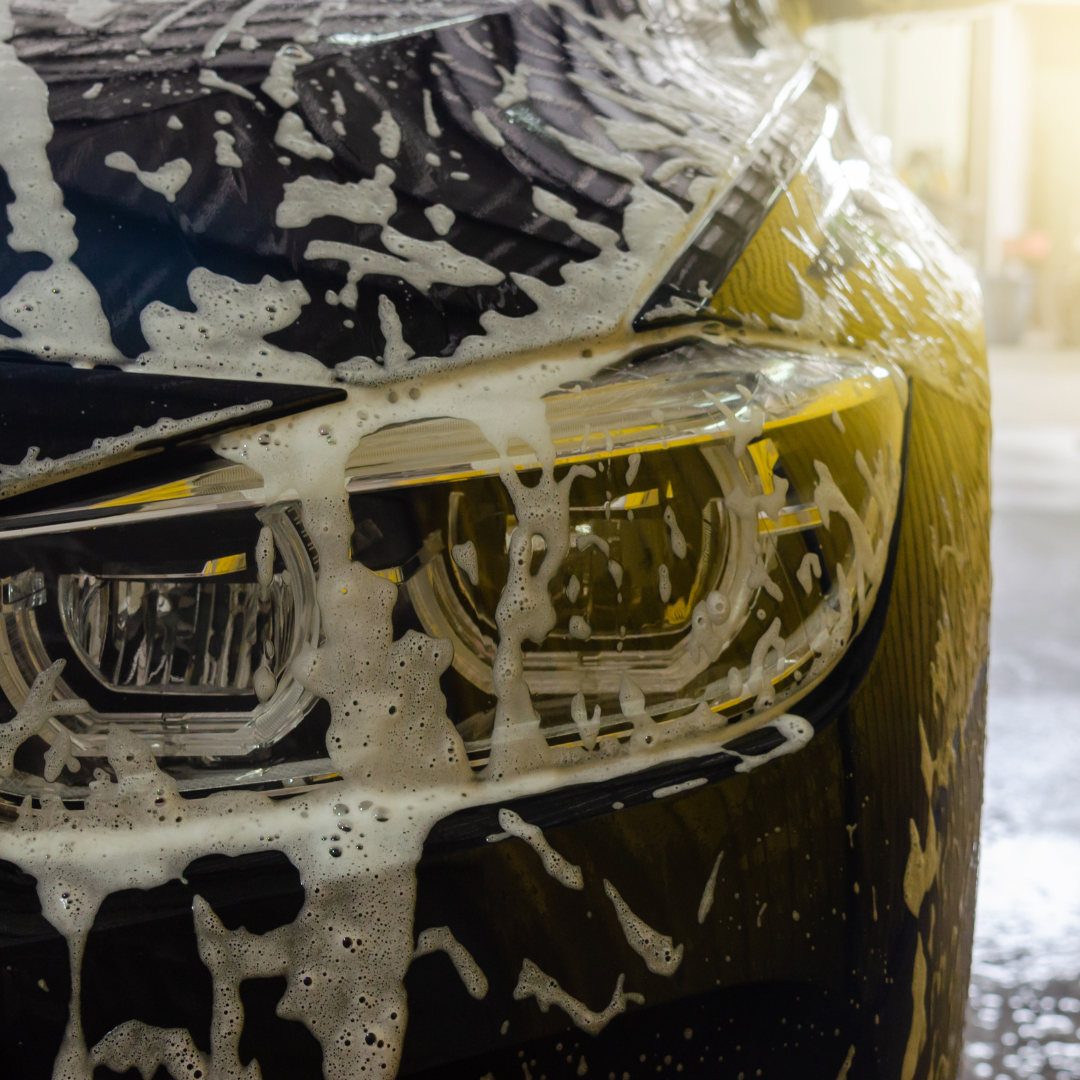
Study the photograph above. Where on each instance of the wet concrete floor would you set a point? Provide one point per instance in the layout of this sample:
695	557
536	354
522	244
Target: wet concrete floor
1024	1005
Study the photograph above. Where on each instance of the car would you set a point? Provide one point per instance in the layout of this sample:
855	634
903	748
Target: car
493	550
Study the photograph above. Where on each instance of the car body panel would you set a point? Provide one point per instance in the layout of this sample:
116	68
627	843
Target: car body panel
662	176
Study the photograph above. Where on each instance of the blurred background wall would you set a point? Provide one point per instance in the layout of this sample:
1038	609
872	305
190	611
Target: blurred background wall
981	111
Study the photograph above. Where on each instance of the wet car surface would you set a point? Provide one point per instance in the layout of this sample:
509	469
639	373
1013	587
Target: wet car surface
494	552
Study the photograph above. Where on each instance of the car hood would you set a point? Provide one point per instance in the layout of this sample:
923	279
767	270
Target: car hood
307	191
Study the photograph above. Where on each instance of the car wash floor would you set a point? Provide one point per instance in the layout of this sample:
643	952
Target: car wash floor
1024	1005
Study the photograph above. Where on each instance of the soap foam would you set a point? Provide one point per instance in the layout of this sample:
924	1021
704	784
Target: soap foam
532	982
558	867
440	937
708	894
661	955
167	180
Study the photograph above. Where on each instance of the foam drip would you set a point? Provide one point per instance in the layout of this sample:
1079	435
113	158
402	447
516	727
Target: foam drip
441	938
557	867
532	982
661	955
796	731
167	180
224	337
708	894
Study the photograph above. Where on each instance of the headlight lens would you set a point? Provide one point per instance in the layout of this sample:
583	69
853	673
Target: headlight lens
182	629
728	543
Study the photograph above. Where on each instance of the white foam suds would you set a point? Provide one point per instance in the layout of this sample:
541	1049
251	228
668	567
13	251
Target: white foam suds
213	81
558	867
664	576
515	86
440	937
365	202
56	311
431	125
264	561
441	217
93	92
809	568
422	263
263	681
174	123
746	430
167	180
584	541
396	349
708	894
678	541
487	128
661	955
573	589
224	337
34	713
588	727
280	84
389	132
846	1066
59	756
678	789
632	464
580	630
293	136
234	25
532	982
797	733
465	557
225	150
92	14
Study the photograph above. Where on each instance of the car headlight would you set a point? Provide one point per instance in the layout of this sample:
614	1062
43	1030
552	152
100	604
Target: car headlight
725	515
721	541
180	628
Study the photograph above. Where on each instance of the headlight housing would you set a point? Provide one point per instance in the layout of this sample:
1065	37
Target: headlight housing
178	620
726	541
